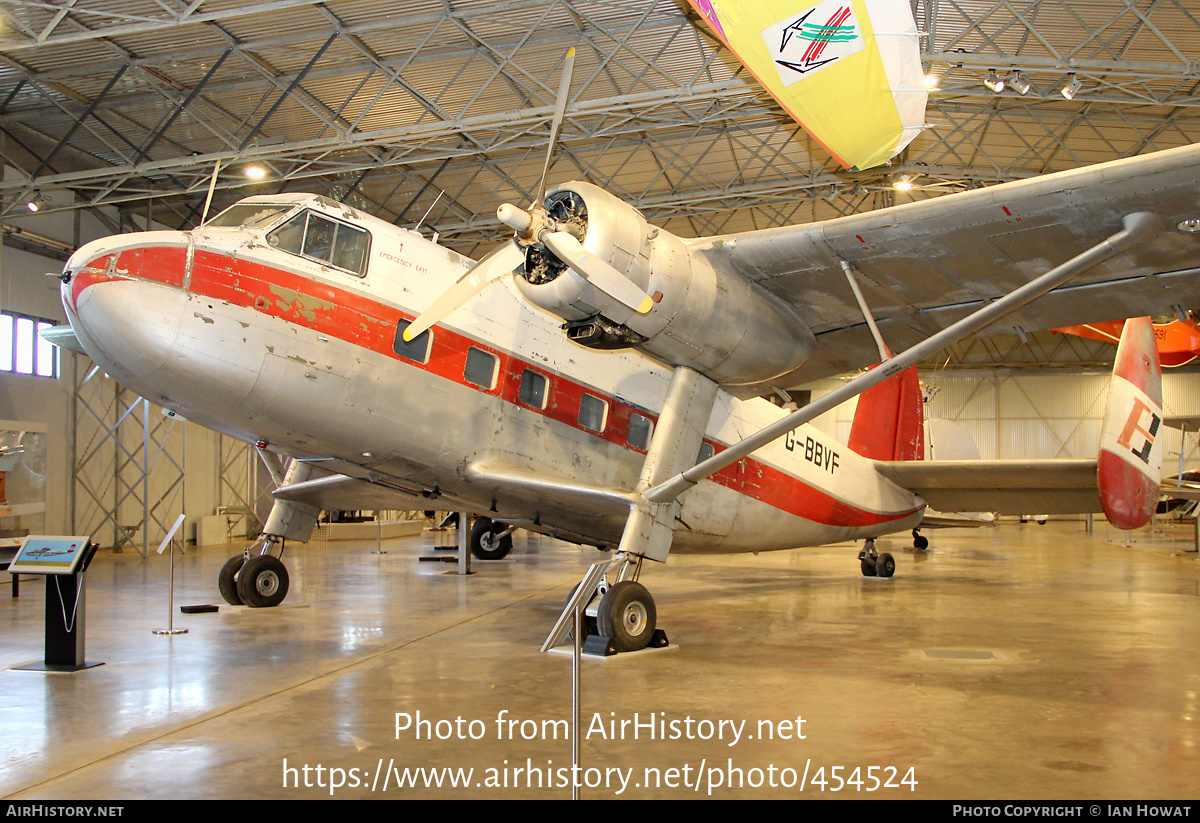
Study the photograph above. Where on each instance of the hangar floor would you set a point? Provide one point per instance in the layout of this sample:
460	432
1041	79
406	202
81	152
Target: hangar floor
1015	662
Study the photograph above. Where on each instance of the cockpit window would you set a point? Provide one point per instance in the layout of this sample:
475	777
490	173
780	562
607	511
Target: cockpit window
247	215
315	236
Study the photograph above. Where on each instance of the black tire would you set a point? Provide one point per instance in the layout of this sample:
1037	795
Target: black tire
885	566
227	580
263	582
485	541
868	567
627	615
920	543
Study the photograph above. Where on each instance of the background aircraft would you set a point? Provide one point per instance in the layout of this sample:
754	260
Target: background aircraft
1178	340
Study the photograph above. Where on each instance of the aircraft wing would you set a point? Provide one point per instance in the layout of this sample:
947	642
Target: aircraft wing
1001	486
926	264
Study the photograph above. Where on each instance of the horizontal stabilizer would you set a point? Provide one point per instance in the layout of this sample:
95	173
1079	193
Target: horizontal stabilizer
1001	486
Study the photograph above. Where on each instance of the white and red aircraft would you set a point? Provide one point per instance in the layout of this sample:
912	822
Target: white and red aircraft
602	380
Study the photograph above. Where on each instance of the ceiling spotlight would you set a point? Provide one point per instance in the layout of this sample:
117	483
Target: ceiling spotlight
994	82
36	202
255	172
1071	88
1019	82
903	182
932	80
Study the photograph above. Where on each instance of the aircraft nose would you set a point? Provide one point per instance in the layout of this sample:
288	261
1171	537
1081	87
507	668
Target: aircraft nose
125	303
159	257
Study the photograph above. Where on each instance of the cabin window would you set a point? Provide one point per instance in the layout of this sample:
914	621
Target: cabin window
248	215
416	350
481	368
640	429
328	241
706	451
592	411
533	389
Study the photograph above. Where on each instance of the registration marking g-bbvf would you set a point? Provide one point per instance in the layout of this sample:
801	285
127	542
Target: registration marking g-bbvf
813	451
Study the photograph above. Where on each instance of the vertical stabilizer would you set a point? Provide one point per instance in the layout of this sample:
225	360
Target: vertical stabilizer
1130	461
888	424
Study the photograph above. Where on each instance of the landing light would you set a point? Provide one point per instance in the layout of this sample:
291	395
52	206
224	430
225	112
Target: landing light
1192	224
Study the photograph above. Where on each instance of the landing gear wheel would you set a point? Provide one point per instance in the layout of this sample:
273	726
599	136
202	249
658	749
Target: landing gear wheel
868	567
262	582
486	542
885	565
227	580
627	615
920	542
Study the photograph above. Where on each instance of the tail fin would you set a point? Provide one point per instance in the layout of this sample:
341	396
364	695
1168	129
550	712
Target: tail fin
889	421
1130	461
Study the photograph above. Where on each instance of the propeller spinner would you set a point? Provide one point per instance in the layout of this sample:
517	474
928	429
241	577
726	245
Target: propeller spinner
549	232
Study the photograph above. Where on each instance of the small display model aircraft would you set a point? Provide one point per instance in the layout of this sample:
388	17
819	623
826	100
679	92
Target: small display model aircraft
602	380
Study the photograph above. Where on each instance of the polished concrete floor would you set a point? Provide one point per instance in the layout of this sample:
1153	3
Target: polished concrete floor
1015	662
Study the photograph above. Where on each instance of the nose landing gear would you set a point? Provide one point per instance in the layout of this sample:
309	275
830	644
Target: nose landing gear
875	564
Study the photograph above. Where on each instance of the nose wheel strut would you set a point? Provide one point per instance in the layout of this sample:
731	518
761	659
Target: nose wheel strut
875	564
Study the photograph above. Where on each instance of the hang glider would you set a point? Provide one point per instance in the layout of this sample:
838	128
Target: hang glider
848	71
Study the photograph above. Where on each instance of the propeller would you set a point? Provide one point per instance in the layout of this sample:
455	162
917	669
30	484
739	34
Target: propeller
533	227
491	268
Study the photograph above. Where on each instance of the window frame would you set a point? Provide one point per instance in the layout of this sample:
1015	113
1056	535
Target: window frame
604	408
495	368
308	212
38	348
545	390
649	431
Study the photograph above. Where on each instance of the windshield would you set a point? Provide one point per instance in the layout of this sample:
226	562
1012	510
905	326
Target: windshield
246	215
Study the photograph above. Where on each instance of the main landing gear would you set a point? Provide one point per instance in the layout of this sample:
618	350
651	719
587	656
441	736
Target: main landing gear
622	615
490	540
875	564
255	578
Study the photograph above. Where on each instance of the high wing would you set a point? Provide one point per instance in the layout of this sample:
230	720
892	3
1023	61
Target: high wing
926	264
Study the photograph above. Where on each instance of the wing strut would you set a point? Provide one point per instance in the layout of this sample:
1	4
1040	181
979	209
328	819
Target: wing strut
884	352
1138	227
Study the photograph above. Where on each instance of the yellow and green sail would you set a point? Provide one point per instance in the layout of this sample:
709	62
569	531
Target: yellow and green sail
848	71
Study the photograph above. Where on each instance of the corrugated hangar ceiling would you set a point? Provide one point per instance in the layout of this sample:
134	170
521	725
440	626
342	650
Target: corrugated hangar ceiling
443	106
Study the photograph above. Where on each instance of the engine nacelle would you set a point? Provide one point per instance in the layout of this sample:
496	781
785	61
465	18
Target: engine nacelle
703	317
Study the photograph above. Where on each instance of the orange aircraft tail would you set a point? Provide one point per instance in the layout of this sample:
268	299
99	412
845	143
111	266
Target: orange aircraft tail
889	421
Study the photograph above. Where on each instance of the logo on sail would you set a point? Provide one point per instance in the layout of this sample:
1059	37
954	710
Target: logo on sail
801	46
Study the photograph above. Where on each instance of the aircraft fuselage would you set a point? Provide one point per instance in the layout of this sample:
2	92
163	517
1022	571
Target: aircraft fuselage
230	329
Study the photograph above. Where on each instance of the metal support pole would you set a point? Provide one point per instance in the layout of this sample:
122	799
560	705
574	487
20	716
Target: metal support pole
464	549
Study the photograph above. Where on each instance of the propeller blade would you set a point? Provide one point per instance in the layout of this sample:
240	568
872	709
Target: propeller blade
597	272
560	108
491	268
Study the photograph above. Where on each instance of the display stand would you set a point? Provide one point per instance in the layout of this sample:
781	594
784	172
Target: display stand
63	561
